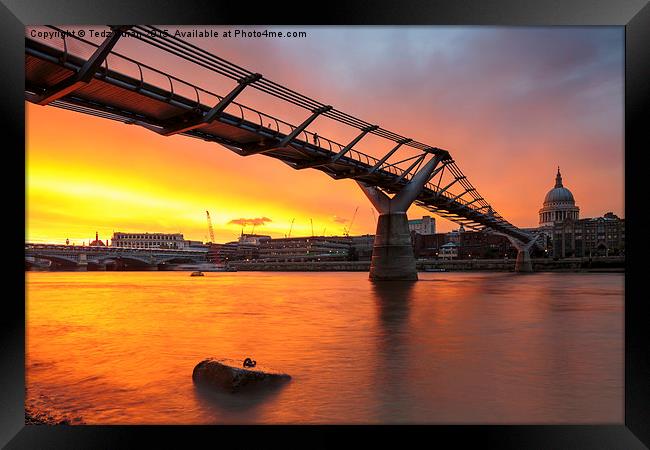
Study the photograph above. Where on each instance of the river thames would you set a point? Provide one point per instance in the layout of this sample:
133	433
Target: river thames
457	347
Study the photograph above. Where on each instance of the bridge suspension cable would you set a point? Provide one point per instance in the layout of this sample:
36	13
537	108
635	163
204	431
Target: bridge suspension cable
468	206
190	52
185	50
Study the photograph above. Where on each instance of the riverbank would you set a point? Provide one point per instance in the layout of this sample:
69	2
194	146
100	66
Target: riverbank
603	264
34	416
600	264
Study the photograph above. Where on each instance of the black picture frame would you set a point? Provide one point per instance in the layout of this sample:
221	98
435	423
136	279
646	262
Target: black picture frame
634	15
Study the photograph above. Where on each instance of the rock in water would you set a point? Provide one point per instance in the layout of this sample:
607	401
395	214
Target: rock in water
229	374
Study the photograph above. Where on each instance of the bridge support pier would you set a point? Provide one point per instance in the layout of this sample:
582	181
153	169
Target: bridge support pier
392	251
82	265
523	262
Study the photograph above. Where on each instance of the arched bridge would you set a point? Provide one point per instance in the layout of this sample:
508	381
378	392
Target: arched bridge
83	256
91	78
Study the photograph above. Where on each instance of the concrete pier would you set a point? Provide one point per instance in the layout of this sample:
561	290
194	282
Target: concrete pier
392	251
523	263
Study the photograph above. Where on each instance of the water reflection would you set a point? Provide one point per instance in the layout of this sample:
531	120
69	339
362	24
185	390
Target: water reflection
236	407
393	301
451	348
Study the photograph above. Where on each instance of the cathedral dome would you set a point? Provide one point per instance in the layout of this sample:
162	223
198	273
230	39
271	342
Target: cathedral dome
559	205
559	193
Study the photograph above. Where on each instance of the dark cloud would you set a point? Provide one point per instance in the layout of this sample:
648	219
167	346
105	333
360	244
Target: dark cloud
338	219
244	222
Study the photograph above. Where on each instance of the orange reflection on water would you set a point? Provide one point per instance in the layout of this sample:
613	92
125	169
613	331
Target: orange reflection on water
119	347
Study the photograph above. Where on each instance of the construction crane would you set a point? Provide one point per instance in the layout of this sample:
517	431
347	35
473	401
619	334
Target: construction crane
290	228
210	230
312	227
346	232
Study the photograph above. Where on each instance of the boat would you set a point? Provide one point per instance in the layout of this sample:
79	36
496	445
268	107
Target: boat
198	273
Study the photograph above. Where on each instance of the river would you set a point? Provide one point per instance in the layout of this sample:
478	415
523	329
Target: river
456	347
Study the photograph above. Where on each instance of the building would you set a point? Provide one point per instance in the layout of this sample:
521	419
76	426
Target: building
600	236
448	250
299	249
196	245
559	204
425	225
462	244
95	243
478	245
360	246
566	235
245	248
455	235
428	246
253	239
149	240
232	251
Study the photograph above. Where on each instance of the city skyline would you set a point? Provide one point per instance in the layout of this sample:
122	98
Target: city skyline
562	97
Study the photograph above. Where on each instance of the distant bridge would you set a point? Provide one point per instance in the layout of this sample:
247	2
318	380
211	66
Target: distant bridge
86	80
82	257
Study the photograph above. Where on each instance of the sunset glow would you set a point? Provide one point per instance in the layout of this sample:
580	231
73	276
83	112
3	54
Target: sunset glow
510	104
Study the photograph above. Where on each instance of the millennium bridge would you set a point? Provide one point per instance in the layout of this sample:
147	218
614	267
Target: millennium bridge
91	78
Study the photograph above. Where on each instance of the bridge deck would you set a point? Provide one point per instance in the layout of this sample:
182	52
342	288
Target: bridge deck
113	95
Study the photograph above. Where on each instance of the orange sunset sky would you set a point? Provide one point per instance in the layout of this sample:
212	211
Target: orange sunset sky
510	104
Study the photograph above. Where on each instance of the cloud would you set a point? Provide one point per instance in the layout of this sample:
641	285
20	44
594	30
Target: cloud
256	221
338	219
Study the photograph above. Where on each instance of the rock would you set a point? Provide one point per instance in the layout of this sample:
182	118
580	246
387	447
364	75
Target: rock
229	374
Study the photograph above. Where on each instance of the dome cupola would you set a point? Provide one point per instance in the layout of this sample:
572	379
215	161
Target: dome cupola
559	193
559	204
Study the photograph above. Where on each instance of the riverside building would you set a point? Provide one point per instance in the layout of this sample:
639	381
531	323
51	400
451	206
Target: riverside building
425	225
599	236
149	240
300	249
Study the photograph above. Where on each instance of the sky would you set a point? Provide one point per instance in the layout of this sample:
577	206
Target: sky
509	103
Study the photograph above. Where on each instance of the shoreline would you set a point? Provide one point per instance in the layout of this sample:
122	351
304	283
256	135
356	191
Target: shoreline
578	265
575	265
34	416
612	264
286	269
